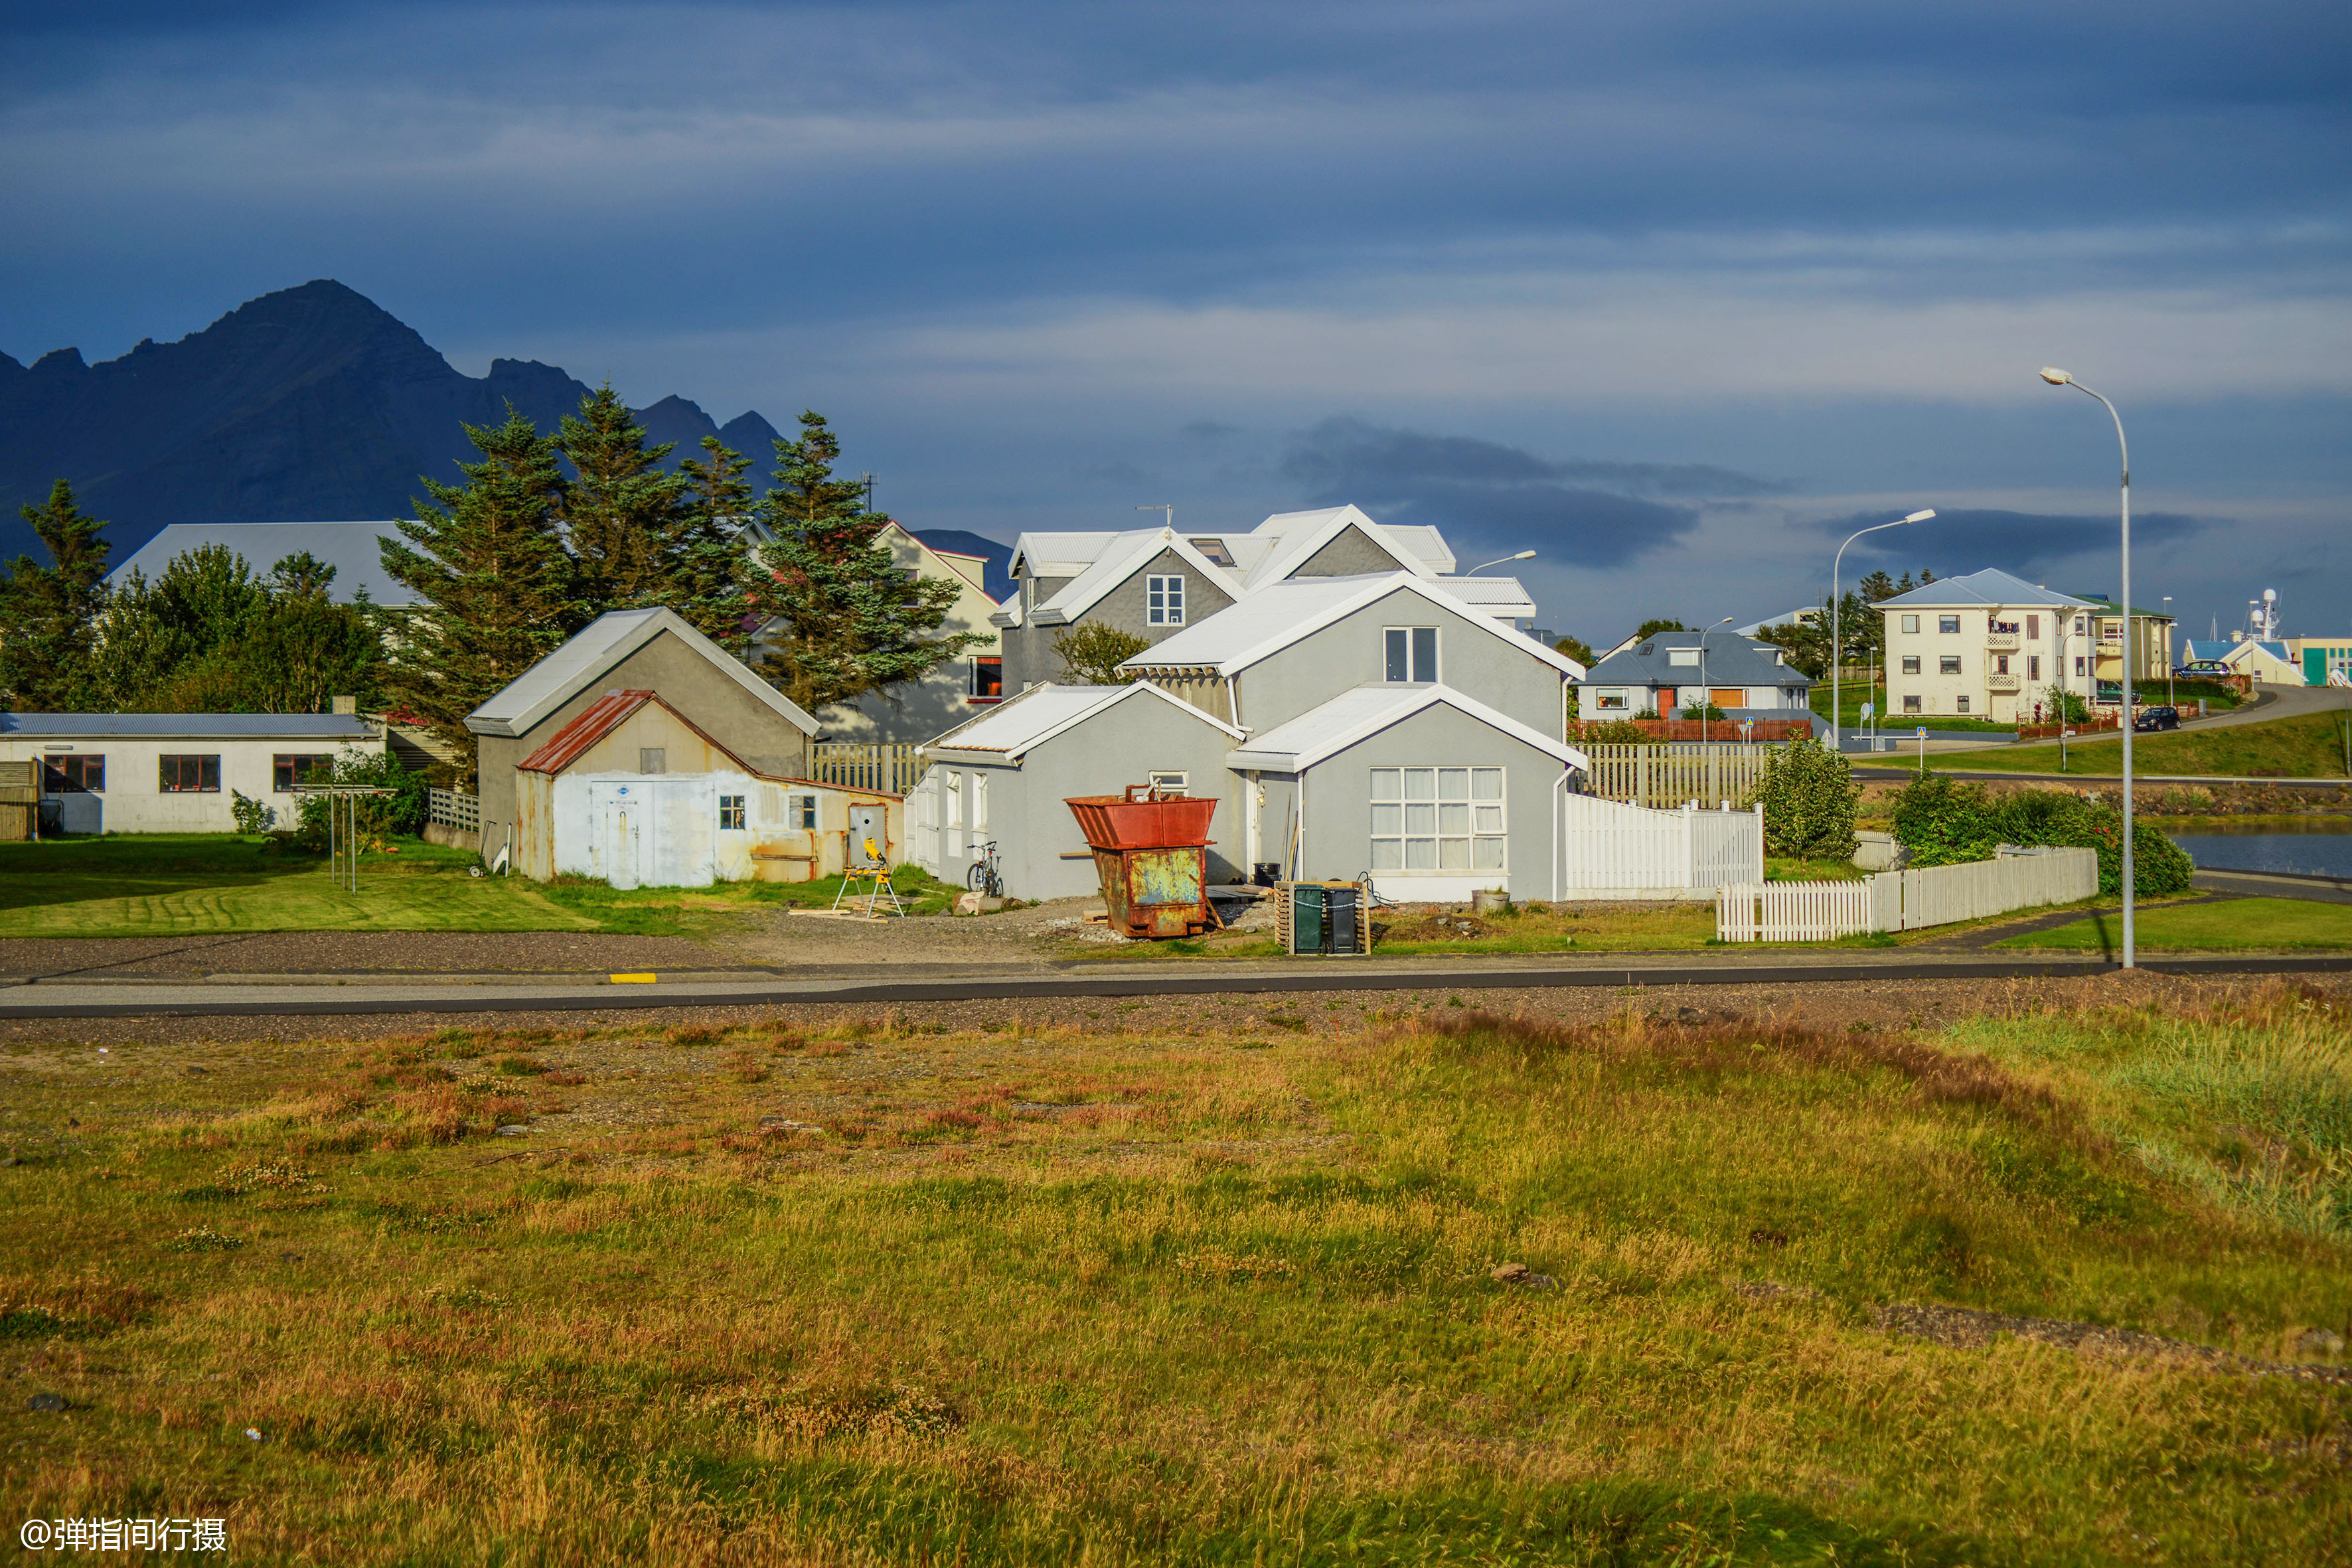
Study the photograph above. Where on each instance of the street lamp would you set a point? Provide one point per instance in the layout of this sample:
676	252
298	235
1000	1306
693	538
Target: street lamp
1706	693
1837	604
2170	660
1522	555
2057	377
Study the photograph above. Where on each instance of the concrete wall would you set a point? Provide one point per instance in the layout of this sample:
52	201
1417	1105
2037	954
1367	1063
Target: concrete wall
1338	806
1506	674
679	840
688	682
1349	553
134	801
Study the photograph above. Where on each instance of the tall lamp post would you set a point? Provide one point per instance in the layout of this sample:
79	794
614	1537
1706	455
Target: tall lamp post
1707	692
1837	636
2057	377
2170	660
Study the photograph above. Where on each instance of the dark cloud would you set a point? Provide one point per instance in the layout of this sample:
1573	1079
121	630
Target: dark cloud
1210	430
1486	494
1968	541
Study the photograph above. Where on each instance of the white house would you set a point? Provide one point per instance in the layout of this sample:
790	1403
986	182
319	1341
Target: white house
173	772
1986	645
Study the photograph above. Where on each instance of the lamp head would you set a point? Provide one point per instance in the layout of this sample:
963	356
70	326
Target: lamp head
2055	377
1525	555
1921	516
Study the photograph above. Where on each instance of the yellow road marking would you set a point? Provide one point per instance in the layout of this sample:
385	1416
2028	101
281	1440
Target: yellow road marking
632	980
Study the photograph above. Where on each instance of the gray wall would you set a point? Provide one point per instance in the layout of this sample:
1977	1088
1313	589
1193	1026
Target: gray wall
1339	790
1033	828
684	679
1125	606
1350	552
1508	676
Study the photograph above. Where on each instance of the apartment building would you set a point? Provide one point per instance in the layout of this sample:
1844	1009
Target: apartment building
1986	645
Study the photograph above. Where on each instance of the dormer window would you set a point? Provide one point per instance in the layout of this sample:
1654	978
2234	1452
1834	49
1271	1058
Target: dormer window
1688	656
1163	599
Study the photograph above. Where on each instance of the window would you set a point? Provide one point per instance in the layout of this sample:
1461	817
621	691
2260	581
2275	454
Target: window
285	771
1910	664
980	804
988	676
1686	655
1910	705
731	814
73	775
1948	624
803	810
1175	779
2078	626
2001	663
1412	654
2081	665
1960	706
2033	628
1215	549
1437	819
1949	664
954	801
653	760
189	776
1608	698
1163	599
1910	622
2033	667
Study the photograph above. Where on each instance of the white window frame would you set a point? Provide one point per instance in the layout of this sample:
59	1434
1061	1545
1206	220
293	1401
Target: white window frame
1611	699
1163	600
1440	821
1684	658
1412	655
741	806
1178	779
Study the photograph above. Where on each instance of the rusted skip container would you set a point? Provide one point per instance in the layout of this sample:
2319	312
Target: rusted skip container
1151	852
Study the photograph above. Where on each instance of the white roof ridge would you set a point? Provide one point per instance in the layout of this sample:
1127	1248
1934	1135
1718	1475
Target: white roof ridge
586	656
1314	739
1369	586
1100	698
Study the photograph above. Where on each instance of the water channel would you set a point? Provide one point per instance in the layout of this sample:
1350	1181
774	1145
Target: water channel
2313	847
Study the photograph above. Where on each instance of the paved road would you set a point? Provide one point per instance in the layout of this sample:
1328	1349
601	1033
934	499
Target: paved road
238	997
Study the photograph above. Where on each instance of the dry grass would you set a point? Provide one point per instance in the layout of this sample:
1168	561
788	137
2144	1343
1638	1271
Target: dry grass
889	1292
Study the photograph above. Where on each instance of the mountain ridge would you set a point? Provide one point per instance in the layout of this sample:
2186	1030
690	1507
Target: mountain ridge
309	403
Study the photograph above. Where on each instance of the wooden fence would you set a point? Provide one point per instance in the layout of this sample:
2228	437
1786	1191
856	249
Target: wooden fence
888	768
1674	775
452	809
1905	901
1713	732
1609	849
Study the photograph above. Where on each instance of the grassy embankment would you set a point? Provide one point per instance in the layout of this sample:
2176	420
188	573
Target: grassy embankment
2241	925
2310	745
1853	694
183	884
1012	1298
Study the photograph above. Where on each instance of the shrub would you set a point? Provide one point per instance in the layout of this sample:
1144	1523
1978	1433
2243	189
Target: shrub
251	815
1943	822
1615	732
1809	797
380	816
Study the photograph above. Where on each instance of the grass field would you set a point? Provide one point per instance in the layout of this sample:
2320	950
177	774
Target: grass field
2309	746
879	1296
185	884
2230	925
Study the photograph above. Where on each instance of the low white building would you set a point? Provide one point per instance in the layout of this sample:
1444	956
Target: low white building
173	772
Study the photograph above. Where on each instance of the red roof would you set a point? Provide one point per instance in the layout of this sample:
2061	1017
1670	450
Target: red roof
571	742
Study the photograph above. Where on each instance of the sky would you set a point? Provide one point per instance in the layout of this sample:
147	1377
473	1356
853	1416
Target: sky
1675	294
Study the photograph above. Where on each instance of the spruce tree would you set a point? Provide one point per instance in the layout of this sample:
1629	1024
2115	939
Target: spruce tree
622	507
495	587
843	618
49	615
708	552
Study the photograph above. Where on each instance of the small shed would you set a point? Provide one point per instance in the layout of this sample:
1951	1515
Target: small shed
1003	778
636	793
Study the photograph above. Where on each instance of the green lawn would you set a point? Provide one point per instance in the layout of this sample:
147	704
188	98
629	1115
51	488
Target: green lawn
195	884
2309	746
2229	925
1852	695
883	1291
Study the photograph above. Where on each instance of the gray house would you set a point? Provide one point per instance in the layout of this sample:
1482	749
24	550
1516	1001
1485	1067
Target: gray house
1668	672
1003	778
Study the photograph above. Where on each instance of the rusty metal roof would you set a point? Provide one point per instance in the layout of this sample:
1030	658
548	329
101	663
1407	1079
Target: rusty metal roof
604	715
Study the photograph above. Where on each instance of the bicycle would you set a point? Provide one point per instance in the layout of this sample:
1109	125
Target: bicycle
983	877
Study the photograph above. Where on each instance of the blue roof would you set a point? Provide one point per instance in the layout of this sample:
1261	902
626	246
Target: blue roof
1731	660
189	726
355	550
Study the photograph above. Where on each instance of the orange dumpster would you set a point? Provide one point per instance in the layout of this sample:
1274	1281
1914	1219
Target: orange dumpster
1151	849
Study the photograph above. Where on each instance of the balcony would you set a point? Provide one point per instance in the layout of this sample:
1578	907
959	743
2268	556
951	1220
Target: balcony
2003	642
1998	682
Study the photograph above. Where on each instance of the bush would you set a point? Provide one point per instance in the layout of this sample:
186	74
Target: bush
252	816
1615	732
401	812
1809	797
1943	822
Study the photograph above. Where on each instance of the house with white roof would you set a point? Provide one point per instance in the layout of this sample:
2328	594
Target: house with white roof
355	550
1986	645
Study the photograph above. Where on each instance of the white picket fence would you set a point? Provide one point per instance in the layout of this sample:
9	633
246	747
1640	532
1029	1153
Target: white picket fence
1609	849
1905	901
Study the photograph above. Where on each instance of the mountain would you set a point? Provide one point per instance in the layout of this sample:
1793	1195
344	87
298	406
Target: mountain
308	404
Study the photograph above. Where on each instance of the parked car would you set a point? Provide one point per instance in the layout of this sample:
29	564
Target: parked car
2203	667
2157	718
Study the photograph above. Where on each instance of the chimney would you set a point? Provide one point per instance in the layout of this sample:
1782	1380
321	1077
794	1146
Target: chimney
347	705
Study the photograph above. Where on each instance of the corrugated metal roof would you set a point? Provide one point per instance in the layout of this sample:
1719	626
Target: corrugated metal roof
570	670
1041	712
1281	614
187	726
1365	711
1990	587
353	549
601	717
1731	660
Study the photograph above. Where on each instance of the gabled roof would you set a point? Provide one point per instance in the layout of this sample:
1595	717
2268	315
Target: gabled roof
188	726
579	664
1281	614
1731	660
2194	648
1293	537
1504	598
1989	587
354	548
571	742
1123	557
1013	729
2277	650
1355	715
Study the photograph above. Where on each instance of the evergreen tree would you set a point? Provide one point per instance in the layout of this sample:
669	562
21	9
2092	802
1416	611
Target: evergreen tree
1576	648
710	553
208	637
1878	585
307	649
1656	625
49	615
496	588
621	509
843	618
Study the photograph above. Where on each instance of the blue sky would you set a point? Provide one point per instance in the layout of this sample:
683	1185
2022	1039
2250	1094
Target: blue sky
1668	292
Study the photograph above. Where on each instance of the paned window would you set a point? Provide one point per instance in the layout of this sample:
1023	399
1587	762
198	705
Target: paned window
1163	599
1910	622
1960	705
2001	663
2032	667
1437	819
1949	664
1910	664
1609	699
286	771
1910	705
731	814
73	775
189	774
803	809
1948	623
2033	628
1411	654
